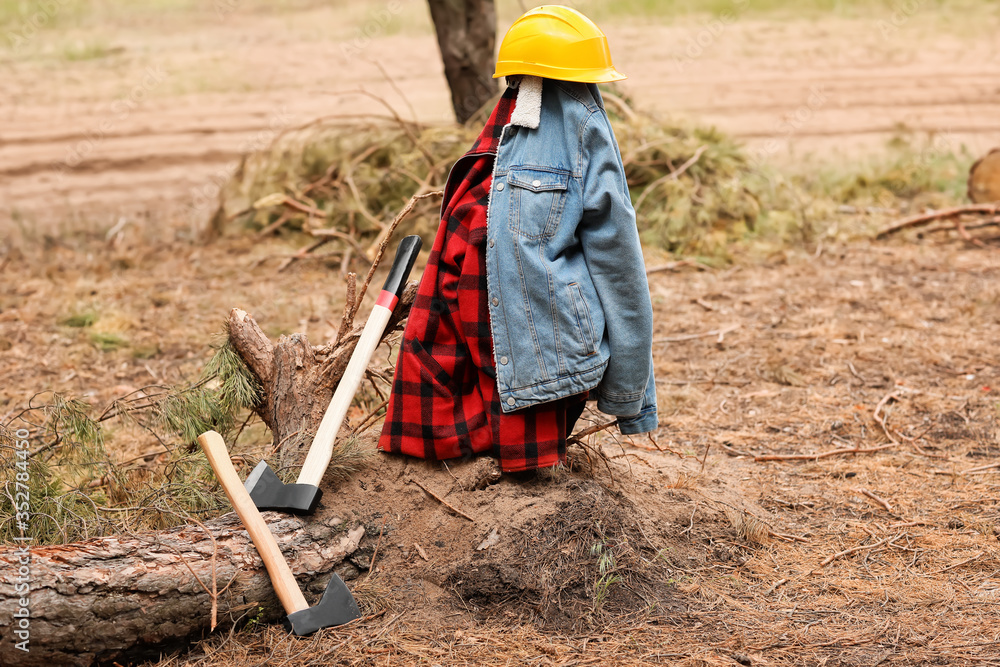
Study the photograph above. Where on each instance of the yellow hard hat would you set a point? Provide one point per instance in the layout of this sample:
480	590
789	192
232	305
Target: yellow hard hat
557	42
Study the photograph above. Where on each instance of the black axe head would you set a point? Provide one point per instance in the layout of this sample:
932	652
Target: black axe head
270	493
336	607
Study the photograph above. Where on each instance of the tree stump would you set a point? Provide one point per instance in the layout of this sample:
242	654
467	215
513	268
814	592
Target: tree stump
298	379
984	178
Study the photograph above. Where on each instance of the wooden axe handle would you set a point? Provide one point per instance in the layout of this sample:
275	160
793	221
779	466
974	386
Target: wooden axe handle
281	575
321	449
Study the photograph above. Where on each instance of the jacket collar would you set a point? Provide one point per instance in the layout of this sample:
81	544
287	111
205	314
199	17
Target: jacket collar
529	103
521	105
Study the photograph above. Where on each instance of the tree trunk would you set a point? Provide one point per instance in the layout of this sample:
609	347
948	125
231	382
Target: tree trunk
984	178
132	598
466	34
298	379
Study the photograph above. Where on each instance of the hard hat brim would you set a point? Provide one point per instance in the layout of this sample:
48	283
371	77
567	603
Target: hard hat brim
602	75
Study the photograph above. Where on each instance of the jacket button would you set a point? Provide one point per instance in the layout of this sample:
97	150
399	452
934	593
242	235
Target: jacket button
492	243
499	186
511	401
495	301
536	183
503	361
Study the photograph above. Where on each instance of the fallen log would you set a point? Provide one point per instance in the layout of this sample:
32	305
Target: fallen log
136	597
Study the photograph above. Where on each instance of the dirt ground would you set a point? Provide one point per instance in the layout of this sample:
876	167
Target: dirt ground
887	349
885	555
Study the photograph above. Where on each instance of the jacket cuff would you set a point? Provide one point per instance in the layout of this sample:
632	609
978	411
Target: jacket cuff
644	422
630	406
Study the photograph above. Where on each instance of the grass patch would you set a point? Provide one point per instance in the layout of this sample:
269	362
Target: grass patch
349	456
80	51
81	320
107	342
145	351
29	18
669	9
76	488
932	172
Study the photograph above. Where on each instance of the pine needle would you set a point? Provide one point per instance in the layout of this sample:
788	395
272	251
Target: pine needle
239	388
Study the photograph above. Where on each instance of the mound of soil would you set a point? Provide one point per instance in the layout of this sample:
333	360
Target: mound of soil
566	550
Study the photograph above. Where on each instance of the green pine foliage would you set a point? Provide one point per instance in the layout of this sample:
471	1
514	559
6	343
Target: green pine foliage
71	489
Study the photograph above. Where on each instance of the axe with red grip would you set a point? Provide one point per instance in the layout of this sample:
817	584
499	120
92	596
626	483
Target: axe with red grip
266	489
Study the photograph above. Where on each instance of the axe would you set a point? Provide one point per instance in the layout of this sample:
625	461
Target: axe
266	489
336	607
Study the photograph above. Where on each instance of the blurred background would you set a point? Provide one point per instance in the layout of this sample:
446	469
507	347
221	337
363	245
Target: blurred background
111	108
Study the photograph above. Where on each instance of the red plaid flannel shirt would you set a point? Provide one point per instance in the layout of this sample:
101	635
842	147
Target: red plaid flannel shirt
444	401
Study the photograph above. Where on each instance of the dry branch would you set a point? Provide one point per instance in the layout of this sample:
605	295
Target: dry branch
989	222
673	266
443	501
349	306
707	334
302	254
675	174
821	455
881	501
848	552
383	240
944	214
991	466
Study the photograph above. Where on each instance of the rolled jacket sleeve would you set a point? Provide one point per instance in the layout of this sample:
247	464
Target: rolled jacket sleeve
647	419
610	243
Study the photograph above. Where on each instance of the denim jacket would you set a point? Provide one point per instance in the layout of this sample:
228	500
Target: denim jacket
569	301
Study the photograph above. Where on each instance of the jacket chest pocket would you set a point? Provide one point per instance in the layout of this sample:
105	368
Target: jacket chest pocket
537	200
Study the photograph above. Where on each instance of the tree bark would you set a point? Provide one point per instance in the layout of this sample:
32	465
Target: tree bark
466	34
135	597
298	379
984	178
